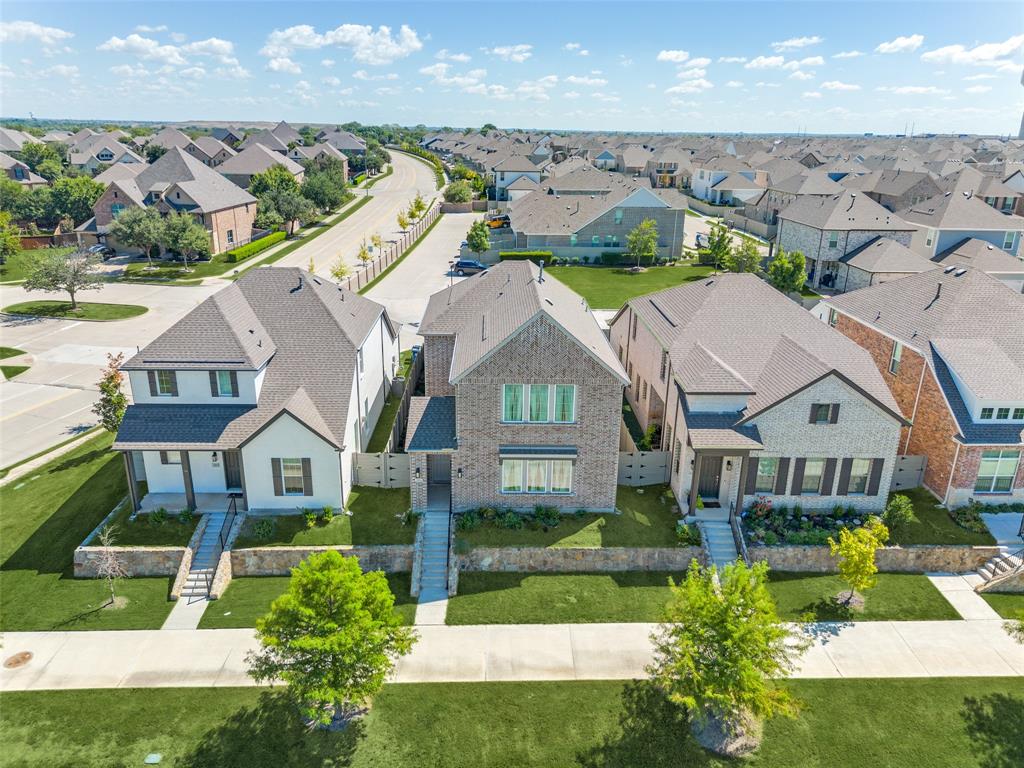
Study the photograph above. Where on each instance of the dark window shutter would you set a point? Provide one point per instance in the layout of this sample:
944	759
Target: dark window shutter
834	416
152	383
751	488
814	412
796	487
163	457
307	478
213	384
275	470
828	476
875	477
174	384
780	479
844	477
234	384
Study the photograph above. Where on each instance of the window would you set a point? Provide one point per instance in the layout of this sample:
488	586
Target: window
116	210
929	238
767	469
630	370
618	215
644	395
821	413
1018	413
231	235
538	403
595	240
512	475
572	239
986	413
833	239
291	477
359	359
561	476
224	388
512	406
620	353
536	476
634	326
859	471
833	317
813	469
676	457
894	358
565	403
664	366
1002	413
170	457
1008	241
166	384
19	172
996	471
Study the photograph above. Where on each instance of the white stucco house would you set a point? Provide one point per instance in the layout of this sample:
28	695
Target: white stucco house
262	393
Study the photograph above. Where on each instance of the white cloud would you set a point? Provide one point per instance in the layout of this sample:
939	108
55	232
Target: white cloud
794	43
625	61
284	64
691	86
326	62
732	59
151	29
445	55
584	52
22	31
177	37
60	70
676	57
811	95
691	73
981	76
763	84
608	98
576	48
443	76
836	85
362	74
847	54
514	53
734	84
979	89
592	82
766	62
387	90
193	73
367	45
912	90
358	104
571	95
332	81
537	90
907	44
811	61
801	75
127	70
701	61
234	72
144	48
984	55
223	50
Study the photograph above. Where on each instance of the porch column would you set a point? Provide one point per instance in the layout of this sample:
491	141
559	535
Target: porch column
694	479
744	469
133	483
241	475
186	475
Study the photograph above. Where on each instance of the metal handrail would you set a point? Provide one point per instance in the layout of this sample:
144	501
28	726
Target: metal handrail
1020	533
737	533
229	520
448	548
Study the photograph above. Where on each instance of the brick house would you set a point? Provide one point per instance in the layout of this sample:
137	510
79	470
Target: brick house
523	398
894	190
15	170
949	344
752	396
783	193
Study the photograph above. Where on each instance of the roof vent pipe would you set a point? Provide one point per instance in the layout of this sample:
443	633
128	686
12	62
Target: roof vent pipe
540	277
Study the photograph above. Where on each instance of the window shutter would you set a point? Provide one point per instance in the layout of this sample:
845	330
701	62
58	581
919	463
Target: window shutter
828	475
875	477
234	384
780	479
213	384
307	478
275	470
796	487
152	383
174	384
844	477
814	412
751	488
163	457
833	417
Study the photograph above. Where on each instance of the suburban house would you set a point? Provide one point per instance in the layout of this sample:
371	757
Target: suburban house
266	138
669	168
232	137
510	169
894	189
178	182
12	140
169	138
98	150
949	344
345	141
725	180
300	154
981	255
877	261
239	169
587	211
604	159
781	194
632	160
15	170
824	229
752	396
262	392
209	151
522	400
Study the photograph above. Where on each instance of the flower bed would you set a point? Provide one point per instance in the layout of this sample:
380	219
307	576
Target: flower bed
766	524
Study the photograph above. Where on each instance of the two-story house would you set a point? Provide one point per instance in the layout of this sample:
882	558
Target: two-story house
726	180
15	170
240	168
782	193
669	167
523	398
264	391
506	171
894	190
756	402
949	344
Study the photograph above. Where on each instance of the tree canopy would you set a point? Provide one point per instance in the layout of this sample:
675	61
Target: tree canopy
70	273
276	178
185	236
743	256
138	228
787	271
478	239
642	242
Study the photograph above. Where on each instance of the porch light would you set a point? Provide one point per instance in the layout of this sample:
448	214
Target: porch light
459	473
728	465
213	455
417	473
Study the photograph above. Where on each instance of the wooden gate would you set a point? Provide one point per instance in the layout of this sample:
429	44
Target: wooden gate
908	472
383	470
644	467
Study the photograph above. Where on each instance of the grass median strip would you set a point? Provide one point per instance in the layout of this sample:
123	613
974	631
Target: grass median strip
321	229
399	260
87	310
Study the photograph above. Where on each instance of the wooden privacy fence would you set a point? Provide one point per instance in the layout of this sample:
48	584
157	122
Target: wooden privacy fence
908	472
644	467
390	252
396	442
383	470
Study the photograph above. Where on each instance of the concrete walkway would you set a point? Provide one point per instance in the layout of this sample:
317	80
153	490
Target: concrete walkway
203	658
186	613
959	591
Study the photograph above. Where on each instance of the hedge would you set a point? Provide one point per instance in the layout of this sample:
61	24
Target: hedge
243	252
523	255
359	179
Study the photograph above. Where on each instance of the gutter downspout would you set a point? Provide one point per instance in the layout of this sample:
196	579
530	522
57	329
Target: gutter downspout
917	398
952	469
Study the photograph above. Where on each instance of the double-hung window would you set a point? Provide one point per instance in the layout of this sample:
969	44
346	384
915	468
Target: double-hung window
618	215
859	471
996	471
1018	413
166	384
291	477
512	405
813	470
767	470
833	239
538	411
539	403
1008	241
833	317
565	403
512	475
1002	413
553	476
224	384
986	413
894	358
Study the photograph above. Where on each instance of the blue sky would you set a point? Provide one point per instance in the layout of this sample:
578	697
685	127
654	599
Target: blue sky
756	67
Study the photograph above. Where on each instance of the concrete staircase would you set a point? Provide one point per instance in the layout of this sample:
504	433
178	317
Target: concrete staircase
719	542
1003	564
204	562
434	570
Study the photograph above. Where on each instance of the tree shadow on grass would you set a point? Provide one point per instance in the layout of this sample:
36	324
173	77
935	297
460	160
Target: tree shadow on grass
270	733
995	724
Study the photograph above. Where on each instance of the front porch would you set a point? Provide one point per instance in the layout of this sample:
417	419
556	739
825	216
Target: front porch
175	502
721	465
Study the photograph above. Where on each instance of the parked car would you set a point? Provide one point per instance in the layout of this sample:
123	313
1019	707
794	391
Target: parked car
464	267
500	222
702	240
103	251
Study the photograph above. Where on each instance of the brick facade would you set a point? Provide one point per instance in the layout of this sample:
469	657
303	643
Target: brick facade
813	244
437	365
670	232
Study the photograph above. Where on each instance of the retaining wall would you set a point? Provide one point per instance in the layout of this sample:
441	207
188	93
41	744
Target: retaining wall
278	561
913	559
609	559
136	561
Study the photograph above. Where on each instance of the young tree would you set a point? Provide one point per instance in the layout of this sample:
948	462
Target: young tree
718	652
855	551
185	236
267	216
403	221
75	196
743	256
458	192
112	402
109	566
138	228
364	254
418	207
787	271
377	241
899	512
642	242
340	270
333	637
276	178
70	273
719	243
10	243
292	207
479	237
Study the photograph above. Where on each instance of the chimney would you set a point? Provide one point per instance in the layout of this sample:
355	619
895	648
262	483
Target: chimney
540	277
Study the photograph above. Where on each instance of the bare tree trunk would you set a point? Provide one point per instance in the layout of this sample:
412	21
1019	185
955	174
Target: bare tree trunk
74	303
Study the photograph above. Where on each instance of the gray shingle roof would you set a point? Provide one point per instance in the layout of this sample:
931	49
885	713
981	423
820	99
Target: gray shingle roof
883	254
961	207
980	254
257	159
210	190
431	424
845	211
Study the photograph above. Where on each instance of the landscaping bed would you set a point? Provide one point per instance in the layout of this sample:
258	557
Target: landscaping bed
87	310
152	529
611	287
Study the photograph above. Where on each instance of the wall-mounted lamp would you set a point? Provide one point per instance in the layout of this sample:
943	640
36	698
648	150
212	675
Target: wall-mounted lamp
728	465
418	473
691	462
459	473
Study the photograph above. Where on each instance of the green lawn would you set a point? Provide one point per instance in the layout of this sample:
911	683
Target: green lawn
1008	606
376	519
385	422
145	531
934	525
245	600
10	371
809	293
16	267
938	723
646	519
6	352
896	597
165	271
87	310
632	424
43	517
610	287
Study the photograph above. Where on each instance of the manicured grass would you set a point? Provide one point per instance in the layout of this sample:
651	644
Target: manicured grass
376	519
7	470
43	517
809	293
10	371
87	310
938	723
174	271
896	597
144	531
1008	606
246	600
385	422
16	267
934	525
646	518
410	249
632	424
611	287
6	352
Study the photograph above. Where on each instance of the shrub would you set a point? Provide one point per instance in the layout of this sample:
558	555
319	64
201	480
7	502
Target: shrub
488	513
969	517
548	517
771	538
159	517
328	513
899	512
409	517
576	260
186	516
688	534
263	529
458	192
510	519
611	258
525	255
243	252
310	515
467	521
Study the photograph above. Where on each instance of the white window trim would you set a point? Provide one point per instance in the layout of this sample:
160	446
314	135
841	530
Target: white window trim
284	479
895	357
221	392
867	479
821	476
758	474
159	385
999	461
524	479
551	404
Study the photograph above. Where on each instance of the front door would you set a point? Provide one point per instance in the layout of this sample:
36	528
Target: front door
232	470
439	469
710	479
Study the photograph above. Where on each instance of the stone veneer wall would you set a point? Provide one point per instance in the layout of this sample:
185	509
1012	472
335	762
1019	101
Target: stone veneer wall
136	561
1013	584
913	559
609	559
278	561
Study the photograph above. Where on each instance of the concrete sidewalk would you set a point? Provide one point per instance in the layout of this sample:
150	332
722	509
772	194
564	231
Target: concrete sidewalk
203	658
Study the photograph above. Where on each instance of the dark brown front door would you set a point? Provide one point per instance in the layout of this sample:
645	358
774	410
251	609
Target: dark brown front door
232	470
710	478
